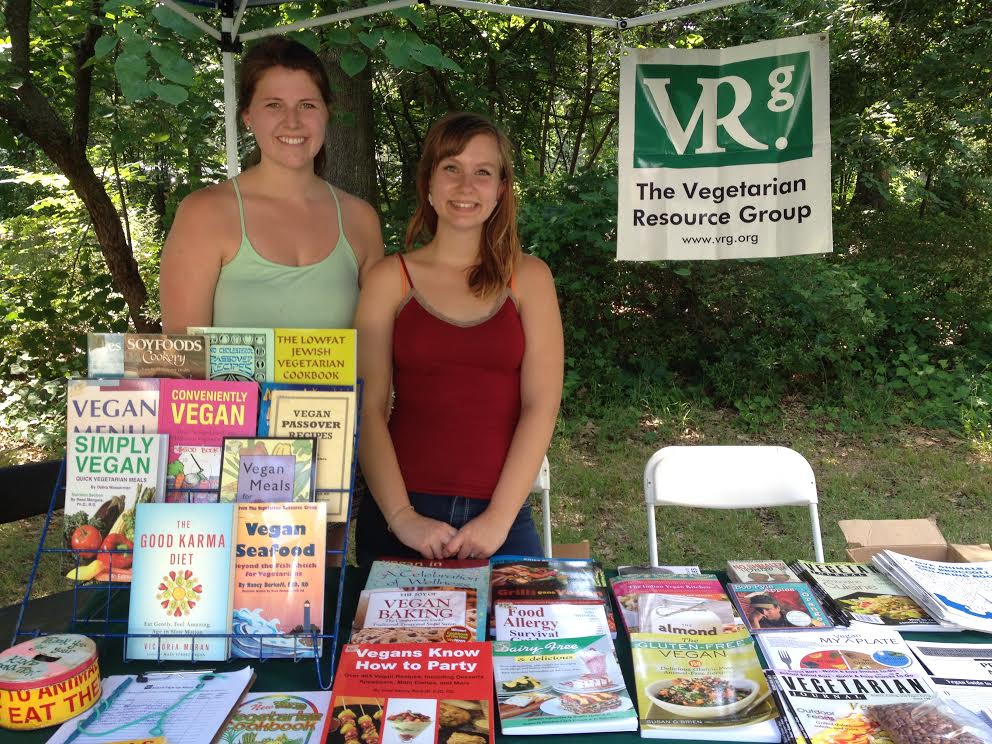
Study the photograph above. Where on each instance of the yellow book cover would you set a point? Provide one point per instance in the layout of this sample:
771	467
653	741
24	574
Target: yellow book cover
329	416
313	356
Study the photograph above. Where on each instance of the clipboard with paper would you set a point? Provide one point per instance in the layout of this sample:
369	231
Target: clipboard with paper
183	708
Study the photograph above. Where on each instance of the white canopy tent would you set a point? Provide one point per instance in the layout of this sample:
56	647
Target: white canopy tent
233	12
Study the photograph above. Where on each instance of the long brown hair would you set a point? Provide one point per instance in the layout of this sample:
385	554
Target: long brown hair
280	51
499	248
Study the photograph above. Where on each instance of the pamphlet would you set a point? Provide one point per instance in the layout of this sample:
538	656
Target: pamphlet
841	649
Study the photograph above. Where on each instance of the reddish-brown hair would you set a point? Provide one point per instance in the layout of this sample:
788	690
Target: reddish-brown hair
280	51
499	248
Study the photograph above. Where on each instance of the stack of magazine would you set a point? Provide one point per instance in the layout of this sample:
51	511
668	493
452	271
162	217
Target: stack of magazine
858	595
958	595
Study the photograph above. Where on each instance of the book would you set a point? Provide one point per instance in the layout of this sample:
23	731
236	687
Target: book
238	354
518	622
279	561
525	580
299	717
958	595
106	476
675	603
183	582
197	415
267	469
561	686
164	355
414	694
835	705
783	606
105	355
709	689
960	671
760	571
392	573
180	708
315	356
663	570
421	614
861	595
112	406
329	415
872	649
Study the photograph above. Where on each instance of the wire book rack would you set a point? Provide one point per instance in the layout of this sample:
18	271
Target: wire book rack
99	608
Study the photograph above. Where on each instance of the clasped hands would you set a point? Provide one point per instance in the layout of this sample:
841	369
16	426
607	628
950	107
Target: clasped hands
432	538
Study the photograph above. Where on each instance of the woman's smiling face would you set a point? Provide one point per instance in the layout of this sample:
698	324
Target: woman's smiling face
288	117
465	187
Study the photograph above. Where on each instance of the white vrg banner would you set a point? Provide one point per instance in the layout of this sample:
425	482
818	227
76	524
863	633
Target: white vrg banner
725	153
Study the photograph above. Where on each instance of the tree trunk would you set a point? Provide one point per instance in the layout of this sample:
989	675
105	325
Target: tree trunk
350	137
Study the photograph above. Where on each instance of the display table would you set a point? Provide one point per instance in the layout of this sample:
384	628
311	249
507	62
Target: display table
52	613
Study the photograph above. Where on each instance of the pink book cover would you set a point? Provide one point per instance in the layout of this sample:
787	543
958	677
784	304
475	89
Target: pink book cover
197	415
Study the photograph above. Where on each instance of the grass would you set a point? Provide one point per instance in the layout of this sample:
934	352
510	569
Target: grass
597	462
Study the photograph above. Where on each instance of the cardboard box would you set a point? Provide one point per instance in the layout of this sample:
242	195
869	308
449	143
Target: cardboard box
571	550
920	538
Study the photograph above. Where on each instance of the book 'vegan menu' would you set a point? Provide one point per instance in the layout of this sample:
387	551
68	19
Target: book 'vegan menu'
561	686
269	469
841	649
392	573
183	582
710	689
279	580
414	694
861	595
297	717
238	353
330	416
112	406
197	415
774	607
106	476
687	604
760	571
313	356
421	614
526	580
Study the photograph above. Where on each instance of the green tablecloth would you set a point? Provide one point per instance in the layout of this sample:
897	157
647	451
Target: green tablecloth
52	615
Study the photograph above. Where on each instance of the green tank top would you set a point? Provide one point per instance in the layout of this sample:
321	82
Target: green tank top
253	292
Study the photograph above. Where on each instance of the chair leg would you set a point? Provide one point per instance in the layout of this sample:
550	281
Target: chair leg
652	537
546	516
814	517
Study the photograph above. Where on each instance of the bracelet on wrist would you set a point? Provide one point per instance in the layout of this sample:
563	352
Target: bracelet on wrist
391	519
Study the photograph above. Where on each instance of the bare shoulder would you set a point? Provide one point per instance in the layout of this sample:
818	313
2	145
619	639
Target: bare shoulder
533	274
357	212
385	280
212	211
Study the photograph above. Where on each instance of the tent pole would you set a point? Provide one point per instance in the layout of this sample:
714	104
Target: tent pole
685	10
324	20
550	15
230	103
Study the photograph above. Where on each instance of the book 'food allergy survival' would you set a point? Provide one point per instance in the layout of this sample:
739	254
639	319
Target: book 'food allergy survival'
267	469
279	580
113	406
238	353
197	415
315	356
182	582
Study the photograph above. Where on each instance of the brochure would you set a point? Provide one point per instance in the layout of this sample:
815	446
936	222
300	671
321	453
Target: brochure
561	686
840	649
710	689
962	671
411	693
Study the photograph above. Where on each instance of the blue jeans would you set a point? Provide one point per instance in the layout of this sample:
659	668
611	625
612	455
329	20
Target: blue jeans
373	538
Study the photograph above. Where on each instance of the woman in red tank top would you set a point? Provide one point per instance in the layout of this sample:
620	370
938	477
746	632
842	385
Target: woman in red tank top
461	350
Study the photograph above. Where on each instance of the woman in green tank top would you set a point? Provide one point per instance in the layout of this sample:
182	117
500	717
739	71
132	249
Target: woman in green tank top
277	246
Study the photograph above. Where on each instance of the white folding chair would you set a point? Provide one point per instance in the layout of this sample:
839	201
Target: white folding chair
729	478
542	485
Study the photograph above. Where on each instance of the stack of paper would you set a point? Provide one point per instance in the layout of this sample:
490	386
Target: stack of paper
955	594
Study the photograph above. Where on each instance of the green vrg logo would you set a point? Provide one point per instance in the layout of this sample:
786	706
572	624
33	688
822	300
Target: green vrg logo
695	116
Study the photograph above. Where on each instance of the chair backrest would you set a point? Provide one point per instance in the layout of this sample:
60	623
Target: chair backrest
542	485
729	478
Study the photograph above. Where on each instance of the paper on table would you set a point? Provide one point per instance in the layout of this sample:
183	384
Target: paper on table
133	713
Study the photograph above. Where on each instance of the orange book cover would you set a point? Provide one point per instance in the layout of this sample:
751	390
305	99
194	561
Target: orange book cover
279	580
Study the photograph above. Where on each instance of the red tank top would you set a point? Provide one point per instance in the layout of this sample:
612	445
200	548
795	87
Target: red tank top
457	396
